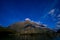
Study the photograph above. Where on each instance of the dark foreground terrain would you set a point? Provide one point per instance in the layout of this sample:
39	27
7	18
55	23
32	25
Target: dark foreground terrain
8	34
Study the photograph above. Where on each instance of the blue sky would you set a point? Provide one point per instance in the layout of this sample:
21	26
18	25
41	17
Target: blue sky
17	10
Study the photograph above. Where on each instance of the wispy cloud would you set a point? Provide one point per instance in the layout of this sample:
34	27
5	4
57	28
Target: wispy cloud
51	12
58	15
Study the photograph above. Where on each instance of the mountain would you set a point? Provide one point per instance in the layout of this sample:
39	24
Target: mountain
28	26
27	30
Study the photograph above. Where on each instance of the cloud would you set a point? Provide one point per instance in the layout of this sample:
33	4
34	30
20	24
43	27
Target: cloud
52	11
58	15
58	22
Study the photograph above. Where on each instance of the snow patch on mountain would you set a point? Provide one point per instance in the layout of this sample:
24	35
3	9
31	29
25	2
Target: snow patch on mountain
27	19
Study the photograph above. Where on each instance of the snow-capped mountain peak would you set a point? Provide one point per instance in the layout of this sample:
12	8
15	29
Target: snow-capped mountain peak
27	19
